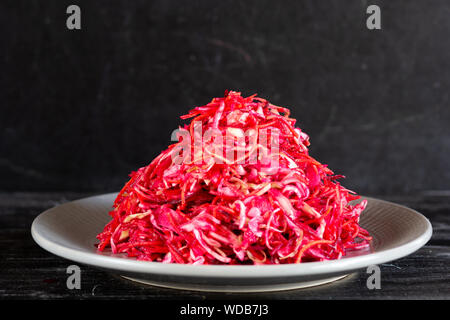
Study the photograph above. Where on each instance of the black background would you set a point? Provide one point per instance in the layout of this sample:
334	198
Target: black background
80	109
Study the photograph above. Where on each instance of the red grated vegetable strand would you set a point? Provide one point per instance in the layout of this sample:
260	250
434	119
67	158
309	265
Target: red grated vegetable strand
213	209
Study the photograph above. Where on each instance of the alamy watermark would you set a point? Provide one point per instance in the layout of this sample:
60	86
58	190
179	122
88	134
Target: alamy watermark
74	280
73	21
231	146
374	280
373	21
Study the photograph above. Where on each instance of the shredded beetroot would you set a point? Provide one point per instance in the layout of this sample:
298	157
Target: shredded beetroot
210	210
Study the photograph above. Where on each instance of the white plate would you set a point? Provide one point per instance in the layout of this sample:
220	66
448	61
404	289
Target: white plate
70	230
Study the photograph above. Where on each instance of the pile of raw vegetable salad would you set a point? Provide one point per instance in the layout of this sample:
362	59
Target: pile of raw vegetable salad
269	202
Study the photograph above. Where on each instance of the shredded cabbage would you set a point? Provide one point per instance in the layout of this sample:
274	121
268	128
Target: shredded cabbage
211	208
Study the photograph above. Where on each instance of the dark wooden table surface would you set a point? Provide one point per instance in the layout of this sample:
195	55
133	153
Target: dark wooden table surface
29	272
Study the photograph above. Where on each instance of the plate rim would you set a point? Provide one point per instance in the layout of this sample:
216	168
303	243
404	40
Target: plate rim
228	271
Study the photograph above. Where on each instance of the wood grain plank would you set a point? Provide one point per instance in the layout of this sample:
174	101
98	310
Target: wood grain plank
29	272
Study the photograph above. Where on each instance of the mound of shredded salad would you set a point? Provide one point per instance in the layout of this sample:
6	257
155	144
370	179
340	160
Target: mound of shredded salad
243	209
